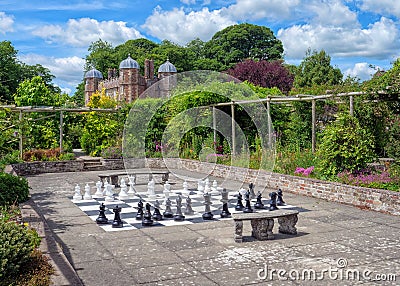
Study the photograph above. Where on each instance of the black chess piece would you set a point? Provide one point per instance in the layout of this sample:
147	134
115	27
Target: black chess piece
117	223
168	212
279	200
259	204
272	201
189	210
239	206
251	189
102	219
139	215
156	214
225	210
207	215
178	215
147	220
247	208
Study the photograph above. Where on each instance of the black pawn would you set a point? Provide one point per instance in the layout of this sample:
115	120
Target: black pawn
147	221
168	212
156	214
102	219
139	214
247	208
259	204
272	201
117	223
239	206
279	200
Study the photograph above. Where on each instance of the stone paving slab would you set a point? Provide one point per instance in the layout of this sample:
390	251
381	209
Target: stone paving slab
205	253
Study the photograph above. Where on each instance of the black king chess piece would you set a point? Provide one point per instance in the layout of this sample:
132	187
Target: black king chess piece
272	201
279	200
168	212
247	208
117	223
259	204
139	215
239	206
102	219
147	220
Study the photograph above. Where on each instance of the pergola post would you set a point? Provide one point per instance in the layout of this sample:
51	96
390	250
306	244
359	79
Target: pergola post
351	105
233	129
313	119
20	135
61	131
214	124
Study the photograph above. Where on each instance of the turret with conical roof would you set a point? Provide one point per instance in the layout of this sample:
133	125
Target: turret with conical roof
92	80
132	84
166	69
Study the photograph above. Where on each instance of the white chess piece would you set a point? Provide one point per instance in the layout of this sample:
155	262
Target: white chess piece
88	195
99	192
242	191
109	193
151	189
207	188
77	196
200	186
132	191
214	188
105	188
185	190
166	191
122	193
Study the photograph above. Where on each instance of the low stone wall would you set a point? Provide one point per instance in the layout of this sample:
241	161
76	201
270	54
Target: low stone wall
34	168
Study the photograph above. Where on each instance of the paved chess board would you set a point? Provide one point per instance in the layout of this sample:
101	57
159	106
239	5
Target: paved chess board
129	209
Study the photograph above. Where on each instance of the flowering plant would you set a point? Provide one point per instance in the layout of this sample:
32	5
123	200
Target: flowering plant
304	172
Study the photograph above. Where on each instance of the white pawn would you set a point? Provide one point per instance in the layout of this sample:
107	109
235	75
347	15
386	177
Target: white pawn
200	186
99	192
109	193
122	194
105	188
166	191
185	190
214	188
88	195
207	188
77	196
132	191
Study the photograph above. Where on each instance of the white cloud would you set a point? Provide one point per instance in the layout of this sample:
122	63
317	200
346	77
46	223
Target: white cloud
380	40
332	12
388	7
254	10
82	32
6	23
361	70
188	2
66	70
179	27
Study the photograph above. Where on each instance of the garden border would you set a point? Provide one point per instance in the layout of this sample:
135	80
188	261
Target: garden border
366	198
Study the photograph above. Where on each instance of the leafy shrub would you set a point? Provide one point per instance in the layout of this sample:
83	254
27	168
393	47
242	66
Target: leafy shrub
113	152
392	146
9	158
345	145
66	156
13	189
17	243
368	178
42	155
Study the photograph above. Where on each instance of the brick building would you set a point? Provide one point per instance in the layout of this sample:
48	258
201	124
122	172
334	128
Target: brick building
127	83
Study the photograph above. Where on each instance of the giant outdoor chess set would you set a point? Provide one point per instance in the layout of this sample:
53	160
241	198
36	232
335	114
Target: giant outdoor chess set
131	209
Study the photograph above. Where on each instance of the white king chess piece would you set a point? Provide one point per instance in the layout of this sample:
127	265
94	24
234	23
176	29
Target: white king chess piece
151	189
77	196
88	195
109	193
166	191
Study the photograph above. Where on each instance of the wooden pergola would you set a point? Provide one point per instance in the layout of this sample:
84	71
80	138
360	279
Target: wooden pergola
49	109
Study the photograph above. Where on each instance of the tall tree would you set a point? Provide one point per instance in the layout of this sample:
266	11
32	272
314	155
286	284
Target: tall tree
244	41
9	71
264	74
316	69
101	56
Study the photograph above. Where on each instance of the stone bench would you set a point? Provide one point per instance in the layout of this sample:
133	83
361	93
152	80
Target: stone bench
114	177
262	223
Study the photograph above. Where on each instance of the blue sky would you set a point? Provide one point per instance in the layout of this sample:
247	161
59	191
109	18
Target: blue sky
57	34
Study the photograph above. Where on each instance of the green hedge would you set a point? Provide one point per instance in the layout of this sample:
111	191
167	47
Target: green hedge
13	189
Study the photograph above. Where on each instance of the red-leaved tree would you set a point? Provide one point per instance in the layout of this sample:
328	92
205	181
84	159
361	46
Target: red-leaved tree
264	73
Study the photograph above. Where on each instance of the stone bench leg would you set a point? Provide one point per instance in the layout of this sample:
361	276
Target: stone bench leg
262	228
114	180
165	177
287	224
238	231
